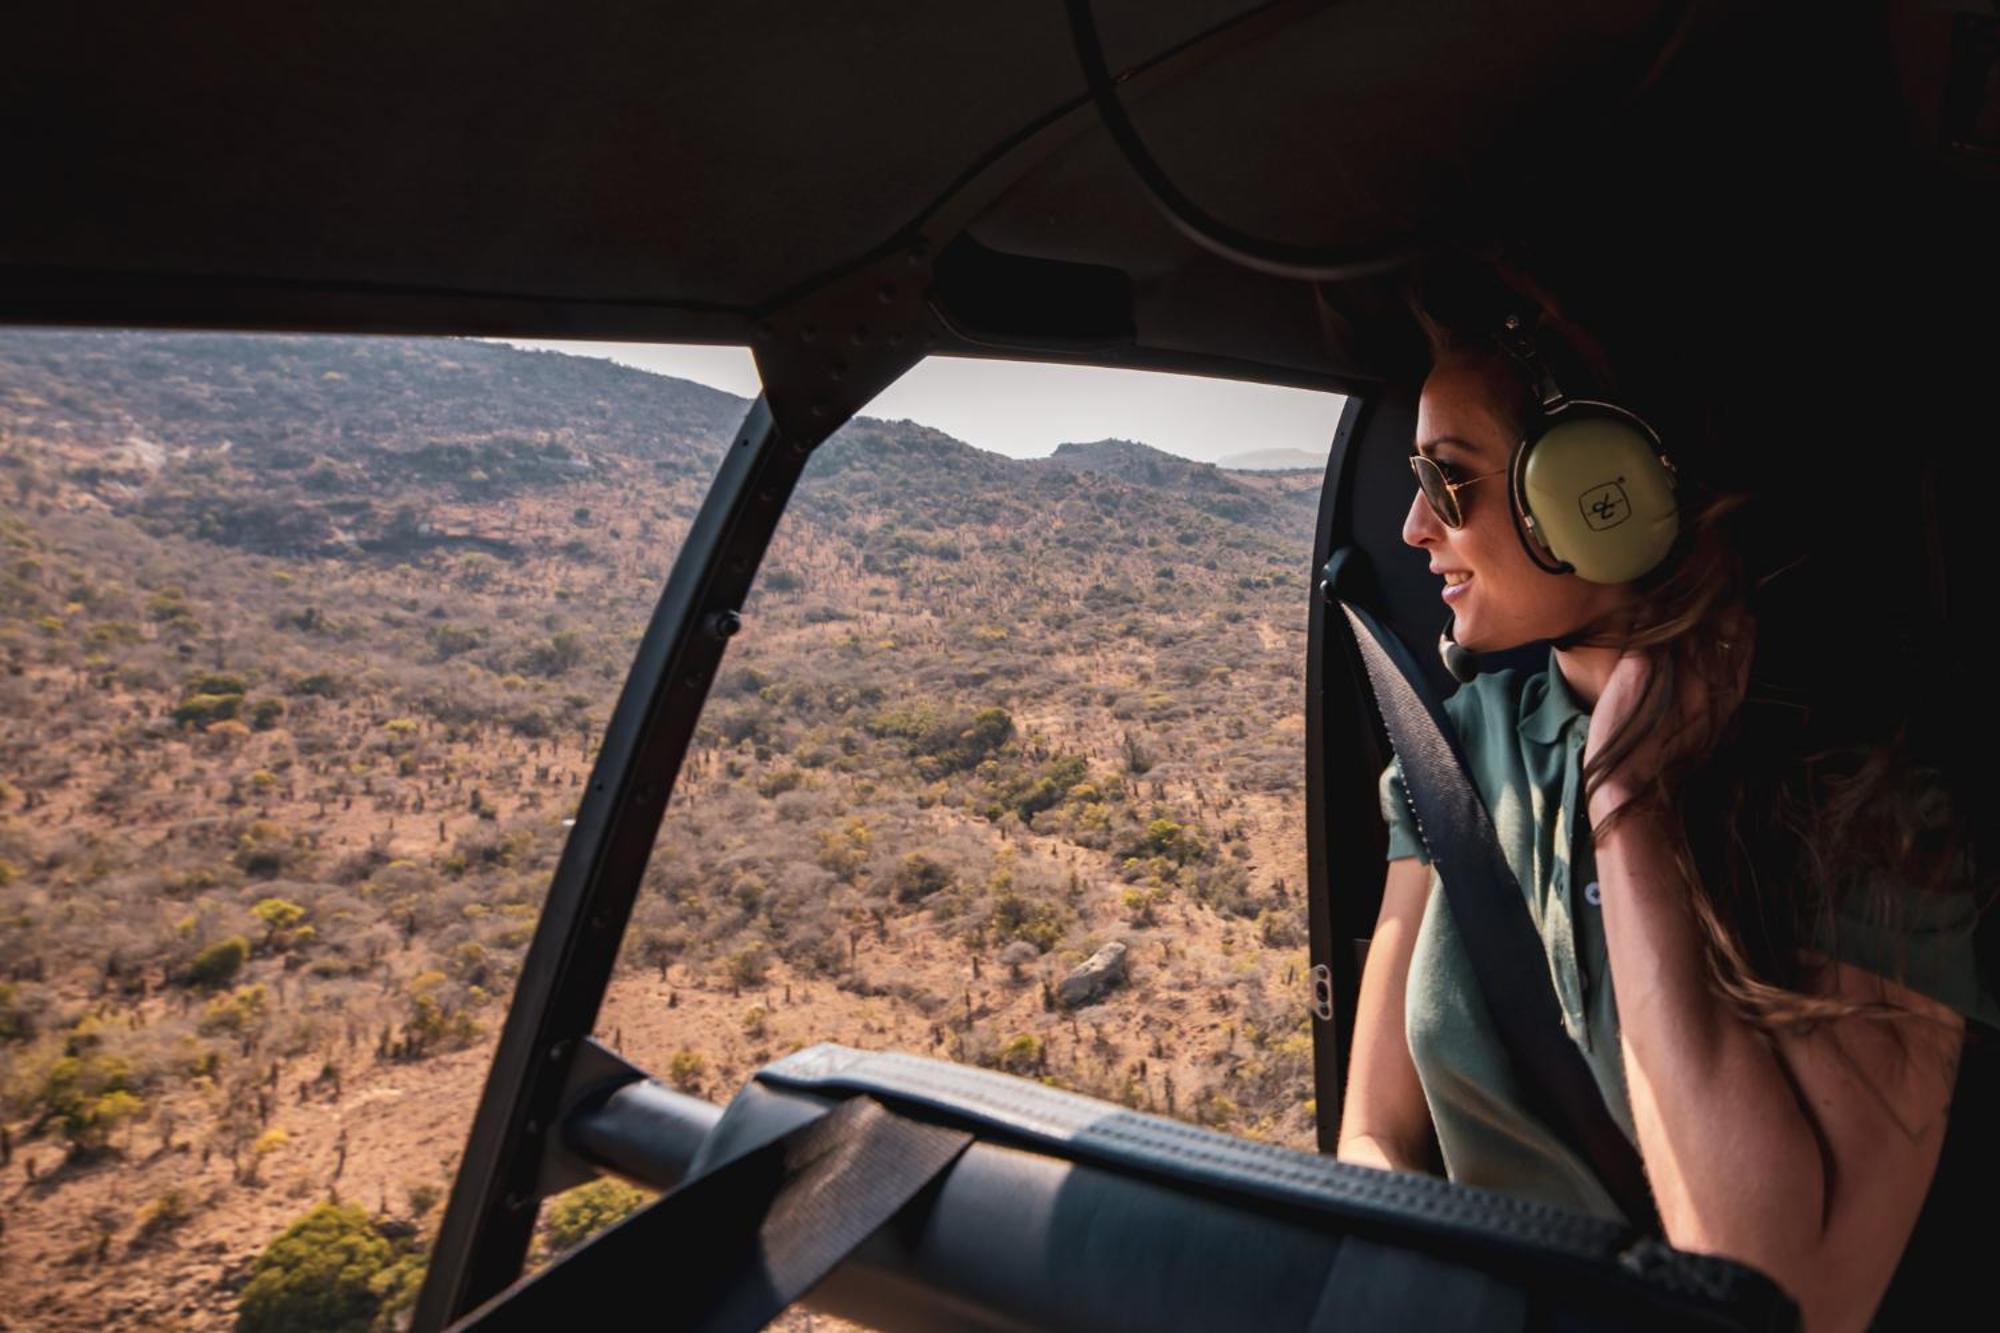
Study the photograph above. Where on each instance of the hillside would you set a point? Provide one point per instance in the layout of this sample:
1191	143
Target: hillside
304	646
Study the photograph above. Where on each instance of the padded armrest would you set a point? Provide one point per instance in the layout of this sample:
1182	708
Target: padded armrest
1075	1213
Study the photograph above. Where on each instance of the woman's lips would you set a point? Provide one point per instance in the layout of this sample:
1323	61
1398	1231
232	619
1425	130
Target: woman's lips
1454	591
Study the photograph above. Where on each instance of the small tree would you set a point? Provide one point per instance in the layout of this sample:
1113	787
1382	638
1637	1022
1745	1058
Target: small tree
574	1216
331	1270
218	964
684	1071
918	877
280	918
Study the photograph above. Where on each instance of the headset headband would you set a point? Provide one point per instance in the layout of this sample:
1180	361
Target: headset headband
1520	344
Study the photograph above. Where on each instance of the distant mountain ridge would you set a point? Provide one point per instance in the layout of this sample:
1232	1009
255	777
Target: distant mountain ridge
1272	460
304	445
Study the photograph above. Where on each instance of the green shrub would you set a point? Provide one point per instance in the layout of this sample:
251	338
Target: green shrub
331	1271
281	918
169	1212
219	963
238	1012
320	684
684	1071
918	877
749	966
86	1092
1023	1055
574	1216
1019	918
202	711
266	849
17	1013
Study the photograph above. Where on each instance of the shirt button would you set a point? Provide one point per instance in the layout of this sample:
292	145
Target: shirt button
1591	894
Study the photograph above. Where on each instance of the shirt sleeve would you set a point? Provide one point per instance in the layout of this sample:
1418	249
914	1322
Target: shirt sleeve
1404	840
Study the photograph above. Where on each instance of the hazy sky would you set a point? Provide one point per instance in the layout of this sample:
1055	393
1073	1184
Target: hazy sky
1026	409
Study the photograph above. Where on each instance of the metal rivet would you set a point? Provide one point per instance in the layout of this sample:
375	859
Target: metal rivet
724	624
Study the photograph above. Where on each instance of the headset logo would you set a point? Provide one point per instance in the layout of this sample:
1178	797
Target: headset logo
1605	506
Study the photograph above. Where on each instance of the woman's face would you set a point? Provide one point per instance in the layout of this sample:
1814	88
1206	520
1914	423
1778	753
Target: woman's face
1505	599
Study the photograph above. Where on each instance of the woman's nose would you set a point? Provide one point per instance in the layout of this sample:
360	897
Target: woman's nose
1420	525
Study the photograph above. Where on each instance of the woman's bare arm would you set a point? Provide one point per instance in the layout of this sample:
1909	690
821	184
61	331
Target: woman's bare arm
1807	1156
1384	1120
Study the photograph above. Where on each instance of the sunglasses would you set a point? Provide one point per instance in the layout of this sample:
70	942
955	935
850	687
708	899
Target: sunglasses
1441	491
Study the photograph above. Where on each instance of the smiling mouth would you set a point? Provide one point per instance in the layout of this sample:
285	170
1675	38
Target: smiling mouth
1454	577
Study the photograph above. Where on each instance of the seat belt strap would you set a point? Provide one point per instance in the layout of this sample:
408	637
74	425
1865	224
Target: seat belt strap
1507	954
726	1252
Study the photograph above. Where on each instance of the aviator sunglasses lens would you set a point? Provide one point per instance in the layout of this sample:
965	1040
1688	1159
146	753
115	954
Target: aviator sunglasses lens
1430	480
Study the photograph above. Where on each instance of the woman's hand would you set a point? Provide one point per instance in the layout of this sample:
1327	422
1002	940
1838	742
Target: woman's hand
1701	707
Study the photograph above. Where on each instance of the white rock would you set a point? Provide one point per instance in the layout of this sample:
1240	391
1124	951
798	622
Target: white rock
1105	969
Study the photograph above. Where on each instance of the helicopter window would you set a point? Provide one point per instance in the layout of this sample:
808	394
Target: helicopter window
1004	766
305	647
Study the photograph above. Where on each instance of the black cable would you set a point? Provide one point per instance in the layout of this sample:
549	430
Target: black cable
1278	258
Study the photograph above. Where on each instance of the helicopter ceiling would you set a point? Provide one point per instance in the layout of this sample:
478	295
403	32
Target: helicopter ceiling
681	172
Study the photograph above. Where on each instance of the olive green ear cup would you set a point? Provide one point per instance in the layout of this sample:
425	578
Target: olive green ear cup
1593	495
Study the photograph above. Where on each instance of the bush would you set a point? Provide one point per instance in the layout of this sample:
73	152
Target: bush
1019	918
266	849
332	1271
202	711
218	964
169	1212
574	1216
18	1013
319	684
1023	1055
749	966
281	919
238	1012
684	1071
918	877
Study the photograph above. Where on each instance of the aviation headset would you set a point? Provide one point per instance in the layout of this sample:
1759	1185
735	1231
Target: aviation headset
1593	494
1590	489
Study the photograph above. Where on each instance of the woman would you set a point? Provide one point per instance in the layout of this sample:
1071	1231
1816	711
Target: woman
1766	962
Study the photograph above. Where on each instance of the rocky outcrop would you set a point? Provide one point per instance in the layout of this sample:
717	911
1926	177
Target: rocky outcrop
1090	982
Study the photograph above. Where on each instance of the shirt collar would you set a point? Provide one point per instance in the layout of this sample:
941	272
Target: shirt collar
1557	708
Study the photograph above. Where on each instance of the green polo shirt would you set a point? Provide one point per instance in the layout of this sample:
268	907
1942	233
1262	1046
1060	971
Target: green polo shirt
1523	736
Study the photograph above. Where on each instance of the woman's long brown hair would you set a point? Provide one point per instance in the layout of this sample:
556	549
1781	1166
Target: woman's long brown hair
1787	814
